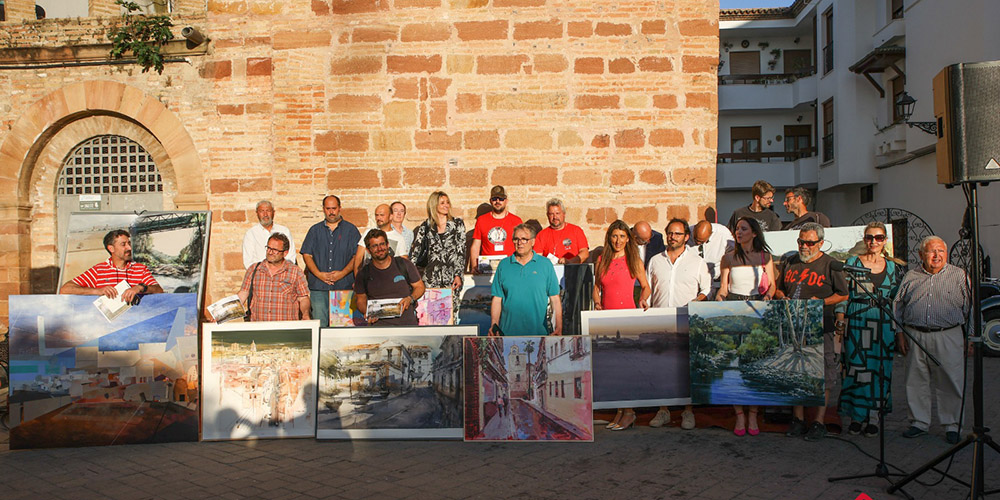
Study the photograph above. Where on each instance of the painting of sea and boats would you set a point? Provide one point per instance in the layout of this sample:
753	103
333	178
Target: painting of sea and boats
435	308
757	352
259	380
641	358
838	242
171	244
391	383
528	389
78	380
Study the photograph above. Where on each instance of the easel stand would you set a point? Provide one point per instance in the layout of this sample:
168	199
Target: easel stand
980	437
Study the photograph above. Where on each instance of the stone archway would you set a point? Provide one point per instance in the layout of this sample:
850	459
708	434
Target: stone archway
26	147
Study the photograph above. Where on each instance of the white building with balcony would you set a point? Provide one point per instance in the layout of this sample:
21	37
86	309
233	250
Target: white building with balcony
807	94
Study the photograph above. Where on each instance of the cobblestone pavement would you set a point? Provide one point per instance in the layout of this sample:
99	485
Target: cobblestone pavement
637	464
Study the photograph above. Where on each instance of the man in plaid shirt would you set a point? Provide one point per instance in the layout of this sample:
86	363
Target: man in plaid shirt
102	278
280	291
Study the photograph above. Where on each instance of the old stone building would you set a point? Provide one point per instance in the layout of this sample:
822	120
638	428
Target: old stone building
607	104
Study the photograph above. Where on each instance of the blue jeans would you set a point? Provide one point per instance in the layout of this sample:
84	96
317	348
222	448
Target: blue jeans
320	307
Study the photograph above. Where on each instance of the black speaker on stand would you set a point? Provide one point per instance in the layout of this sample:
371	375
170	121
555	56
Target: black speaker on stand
967	108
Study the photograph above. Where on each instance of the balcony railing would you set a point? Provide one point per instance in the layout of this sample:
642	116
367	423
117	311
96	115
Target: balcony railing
763	79
827	147
827	59
766	157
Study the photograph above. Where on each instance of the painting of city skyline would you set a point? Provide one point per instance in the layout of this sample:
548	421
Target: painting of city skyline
641	358
78	380
528	389
171	244
391	383
259	380
757	352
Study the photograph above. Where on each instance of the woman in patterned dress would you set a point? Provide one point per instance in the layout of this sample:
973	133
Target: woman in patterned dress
870	339
439	247
617	269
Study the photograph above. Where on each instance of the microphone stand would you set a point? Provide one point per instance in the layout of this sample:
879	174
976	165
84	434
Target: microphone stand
881	470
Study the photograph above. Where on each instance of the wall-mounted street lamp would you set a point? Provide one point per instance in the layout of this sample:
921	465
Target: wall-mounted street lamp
904	109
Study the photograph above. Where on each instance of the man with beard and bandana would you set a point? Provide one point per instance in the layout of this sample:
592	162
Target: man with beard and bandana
494	230
809	275
102	278
388	277
279	288
255	239
329	250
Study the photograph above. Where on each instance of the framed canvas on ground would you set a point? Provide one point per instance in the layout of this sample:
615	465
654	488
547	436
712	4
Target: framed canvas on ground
641	358
259	380
757	352
511	395
77	379
391	382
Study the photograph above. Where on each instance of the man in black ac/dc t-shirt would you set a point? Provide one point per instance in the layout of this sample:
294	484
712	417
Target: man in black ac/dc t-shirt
808	275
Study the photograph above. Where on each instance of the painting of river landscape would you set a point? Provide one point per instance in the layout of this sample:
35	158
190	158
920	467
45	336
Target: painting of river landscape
641	358
528	389
77	379
757	352
259	380
171	244
391	383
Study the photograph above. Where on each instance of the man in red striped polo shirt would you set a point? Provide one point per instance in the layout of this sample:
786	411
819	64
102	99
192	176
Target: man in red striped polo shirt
102	278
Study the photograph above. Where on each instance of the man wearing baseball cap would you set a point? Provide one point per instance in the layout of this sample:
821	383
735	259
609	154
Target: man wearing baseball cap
494	229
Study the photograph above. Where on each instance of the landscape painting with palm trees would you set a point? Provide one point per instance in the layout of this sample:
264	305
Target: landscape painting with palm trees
757	352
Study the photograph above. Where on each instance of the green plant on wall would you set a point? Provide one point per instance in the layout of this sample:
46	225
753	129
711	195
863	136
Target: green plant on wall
140	34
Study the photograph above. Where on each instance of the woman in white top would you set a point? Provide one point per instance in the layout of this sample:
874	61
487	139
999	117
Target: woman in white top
745	271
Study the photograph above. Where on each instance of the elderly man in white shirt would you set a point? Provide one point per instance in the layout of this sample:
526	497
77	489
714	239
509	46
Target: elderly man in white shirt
255	239
711	241
677	276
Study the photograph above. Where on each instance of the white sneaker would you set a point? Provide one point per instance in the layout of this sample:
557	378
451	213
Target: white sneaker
661	418
687	420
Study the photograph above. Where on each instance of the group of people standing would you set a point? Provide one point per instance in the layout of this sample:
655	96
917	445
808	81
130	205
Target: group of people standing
637	267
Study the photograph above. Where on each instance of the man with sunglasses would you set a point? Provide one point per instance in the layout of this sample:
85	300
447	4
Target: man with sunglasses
388	277
523	285
278	287
796	201
809	275
759	209
492	235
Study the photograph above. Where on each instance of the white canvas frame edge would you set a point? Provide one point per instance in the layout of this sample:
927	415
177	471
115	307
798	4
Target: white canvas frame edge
206	367
380	331
585	316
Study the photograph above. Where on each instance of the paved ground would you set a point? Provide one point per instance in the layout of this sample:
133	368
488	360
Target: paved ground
637	464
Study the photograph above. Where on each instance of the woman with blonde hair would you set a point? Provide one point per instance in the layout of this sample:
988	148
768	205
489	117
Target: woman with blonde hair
615	274
439	247
870	339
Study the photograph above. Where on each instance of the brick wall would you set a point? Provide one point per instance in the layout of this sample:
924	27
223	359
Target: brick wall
610	106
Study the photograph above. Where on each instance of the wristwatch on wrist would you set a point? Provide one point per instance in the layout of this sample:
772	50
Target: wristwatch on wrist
144	287
840	324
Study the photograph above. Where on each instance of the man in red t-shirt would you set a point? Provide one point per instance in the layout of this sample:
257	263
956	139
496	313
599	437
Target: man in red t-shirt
563	240
494	230
102	278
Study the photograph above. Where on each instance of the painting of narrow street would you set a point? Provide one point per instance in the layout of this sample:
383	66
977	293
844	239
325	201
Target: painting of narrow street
391	383
757	352
640	357
528	389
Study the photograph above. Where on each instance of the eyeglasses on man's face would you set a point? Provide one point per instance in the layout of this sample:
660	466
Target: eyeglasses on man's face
498	198
521	240
275	250
808	243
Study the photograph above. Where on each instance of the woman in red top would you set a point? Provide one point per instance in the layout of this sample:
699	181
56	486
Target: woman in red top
614	284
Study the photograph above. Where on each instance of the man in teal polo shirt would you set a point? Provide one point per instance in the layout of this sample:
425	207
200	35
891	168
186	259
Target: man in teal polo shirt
521	284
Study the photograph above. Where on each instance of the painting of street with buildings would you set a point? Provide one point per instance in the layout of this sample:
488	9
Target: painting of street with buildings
259	380
838	242
757	352
641	358
78	380
528	389
391	383
171	244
